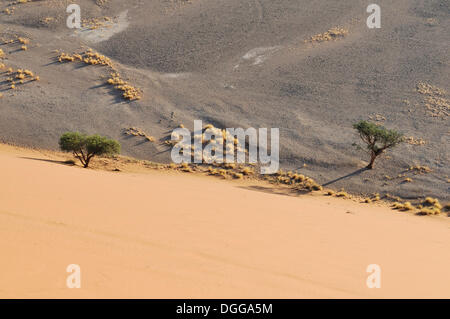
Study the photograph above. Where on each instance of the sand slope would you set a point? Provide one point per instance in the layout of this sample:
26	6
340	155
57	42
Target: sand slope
166	235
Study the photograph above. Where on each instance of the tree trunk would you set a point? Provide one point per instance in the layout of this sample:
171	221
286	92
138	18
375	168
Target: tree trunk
86	162
373	156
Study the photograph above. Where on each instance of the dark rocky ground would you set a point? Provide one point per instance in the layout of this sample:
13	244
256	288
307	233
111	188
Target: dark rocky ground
188	57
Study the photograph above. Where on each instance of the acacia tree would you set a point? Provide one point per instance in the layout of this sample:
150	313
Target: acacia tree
85	147
378	139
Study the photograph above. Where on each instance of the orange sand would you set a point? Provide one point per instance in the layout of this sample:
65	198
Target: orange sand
162	235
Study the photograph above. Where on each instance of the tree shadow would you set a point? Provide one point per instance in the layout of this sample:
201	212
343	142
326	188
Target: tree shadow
162	152
357	172
276	191
68	163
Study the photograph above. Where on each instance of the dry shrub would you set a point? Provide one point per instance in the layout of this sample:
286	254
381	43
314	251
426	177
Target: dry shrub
430	206
332	34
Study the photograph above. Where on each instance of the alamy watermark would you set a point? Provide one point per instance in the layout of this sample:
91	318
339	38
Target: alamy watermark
213	145
74	19
374	279
374	20
74	279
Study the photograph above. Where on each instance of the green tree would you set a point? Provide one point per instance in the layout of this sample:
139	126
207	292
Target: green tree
85	147
378	139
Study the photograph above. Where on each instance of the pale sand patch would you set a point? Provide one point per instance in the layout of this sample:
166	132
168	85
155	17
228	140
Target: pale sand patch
170	235
259	55
174	75
107	31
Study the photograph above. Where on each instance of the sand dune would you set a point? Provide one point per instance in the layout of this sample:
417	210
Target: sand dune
167	235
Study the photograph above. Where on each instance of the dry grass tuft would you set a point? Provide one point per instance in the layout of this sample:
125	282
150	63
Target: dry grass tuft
88	57
403	207
430	206
342	194
414	141
129	92
435	100
332	34
97	23
134	131
247	171
238	175
420	169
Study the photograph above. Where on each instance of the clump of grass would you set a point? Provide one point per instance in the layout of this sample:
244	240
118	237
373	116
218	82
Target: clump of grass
186	168
420	169
134	131
299	178
47	20
300	181
23	40
403	206
247	171
129	92
90	57
222	172
313	186
414	141
96	23
427	211
430	206
429	201
238	175
342	194
434	98
87	57
20	76
212	171
334	33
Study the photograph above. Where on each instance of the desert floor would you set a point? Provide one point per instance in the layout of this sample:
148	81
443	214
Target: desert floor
168	235
241	64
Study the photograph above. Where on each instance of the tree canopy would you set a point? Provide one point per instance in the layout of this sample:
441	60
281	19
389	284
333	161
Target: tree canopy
377	137
85	147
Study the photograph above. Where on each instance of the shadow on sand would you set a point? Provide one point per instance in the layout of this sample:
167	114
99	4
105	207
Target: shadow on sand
275	190
68	163
357	172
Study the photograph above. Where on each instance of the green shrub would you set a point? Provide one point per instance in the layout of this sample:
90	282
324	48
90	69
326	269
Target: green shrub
85	147
377	138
